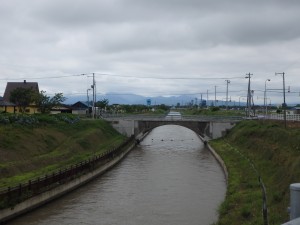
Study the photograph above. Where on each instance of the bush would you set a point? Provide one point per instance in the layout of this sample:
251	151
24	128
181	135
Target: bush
37	118
4	120
214	109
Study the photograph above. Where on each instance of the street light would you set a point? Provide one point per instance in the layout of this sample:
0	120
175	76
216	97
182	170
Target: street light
265	97
87	95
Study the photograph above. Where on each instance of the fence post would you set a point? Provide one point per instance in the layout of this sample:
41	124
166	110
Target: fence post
9	194
29	185
20	191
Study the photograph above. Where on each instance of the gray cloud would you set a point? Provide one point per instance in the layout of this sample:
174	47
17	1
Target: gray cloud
166	38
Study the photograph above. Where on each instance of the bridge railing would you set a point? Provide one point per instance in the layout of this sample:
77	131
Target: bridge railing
212	118
132	116
175	118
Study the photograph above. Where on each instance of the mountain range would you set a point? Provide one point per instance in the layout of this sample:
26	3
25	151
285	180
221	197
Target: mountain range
133	99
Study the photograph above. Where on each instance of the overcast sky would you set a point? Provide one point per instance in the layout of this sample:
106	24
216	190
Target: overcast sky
153	47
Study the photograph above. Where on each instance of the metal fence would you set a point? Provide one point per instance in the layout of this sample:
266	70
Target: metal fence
289	117
14	195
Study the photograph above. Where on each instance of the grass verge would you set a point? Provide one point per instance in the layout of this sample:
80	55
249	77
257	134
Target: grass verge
28	152
275	153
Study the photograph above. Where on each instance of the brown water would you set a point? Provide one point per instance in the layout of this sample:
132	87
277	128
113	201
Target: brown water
169	179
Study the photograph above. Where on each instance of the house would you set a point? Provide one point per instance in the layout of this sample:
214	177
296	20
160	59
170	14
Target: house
5	106
61	109
296	110
10	87
81	108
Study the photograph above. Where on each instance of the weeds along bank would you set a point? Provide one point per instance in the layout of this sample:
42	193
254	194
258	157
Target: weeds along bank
32	146
253	150
45	157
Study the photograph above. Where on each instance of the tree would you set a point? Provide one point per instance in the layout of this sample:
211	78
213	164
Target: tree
22	97
103	103
57	99
45	103
42	101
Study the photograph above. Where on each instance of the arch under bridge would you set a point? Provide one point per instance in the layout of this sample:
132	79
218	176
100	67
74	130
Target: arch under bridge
208	127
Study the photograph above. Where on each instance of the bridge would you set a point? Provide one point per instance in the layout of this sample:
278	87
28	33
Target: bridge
208	127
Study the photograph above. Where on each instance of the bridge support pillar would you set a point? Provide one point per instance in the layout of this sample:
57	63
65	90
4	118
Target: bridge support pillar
125	127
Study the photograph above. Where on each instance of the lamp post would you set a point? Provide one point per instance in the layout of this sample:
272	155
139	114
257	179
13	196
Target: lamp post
87	95
265	97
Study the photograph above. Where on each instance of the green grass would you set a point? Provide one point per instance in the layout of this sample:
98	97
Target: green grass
243	198
275	153
31	151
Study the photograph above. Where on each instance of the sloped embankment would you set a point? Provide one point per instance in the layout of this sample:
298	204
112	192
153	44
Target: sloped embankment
31	151
256	149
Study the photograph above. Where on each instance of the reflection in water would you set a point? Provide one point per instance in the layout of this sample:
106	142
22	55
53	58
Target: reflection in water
169	179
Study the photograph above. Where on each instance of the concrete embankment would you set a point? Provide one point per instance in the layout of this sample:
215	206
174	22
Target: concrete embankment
45	197
220	161
217	157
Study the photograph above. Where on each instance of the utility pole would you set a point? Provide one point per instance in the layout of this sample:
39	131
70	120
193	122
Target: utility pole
265	97
284	104
215	96
227	82
207	99
88	100
94	88
249	94
201	101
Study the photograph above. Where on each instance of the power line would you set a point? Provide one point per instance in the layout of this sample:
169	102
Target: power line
124	76
167	78
42	78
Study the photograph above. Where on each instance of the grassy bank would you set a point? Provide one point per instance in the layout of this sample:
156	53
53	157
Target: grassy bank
31	150
253	149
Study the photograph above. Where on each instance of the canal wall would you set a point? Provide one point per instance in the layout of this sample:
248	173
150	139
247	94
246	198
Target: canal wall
220	161
45	197
217	157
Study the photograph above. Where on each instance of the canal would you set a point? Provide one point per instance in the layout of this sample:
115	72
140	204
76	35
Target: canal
170	178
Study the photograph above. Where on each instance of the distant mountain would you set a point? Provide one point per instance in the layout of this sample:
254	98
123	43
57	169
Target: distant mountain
131	99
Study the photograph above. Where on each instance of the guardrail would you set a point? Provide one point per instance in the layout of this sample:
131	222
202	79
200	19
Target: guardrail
11	196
